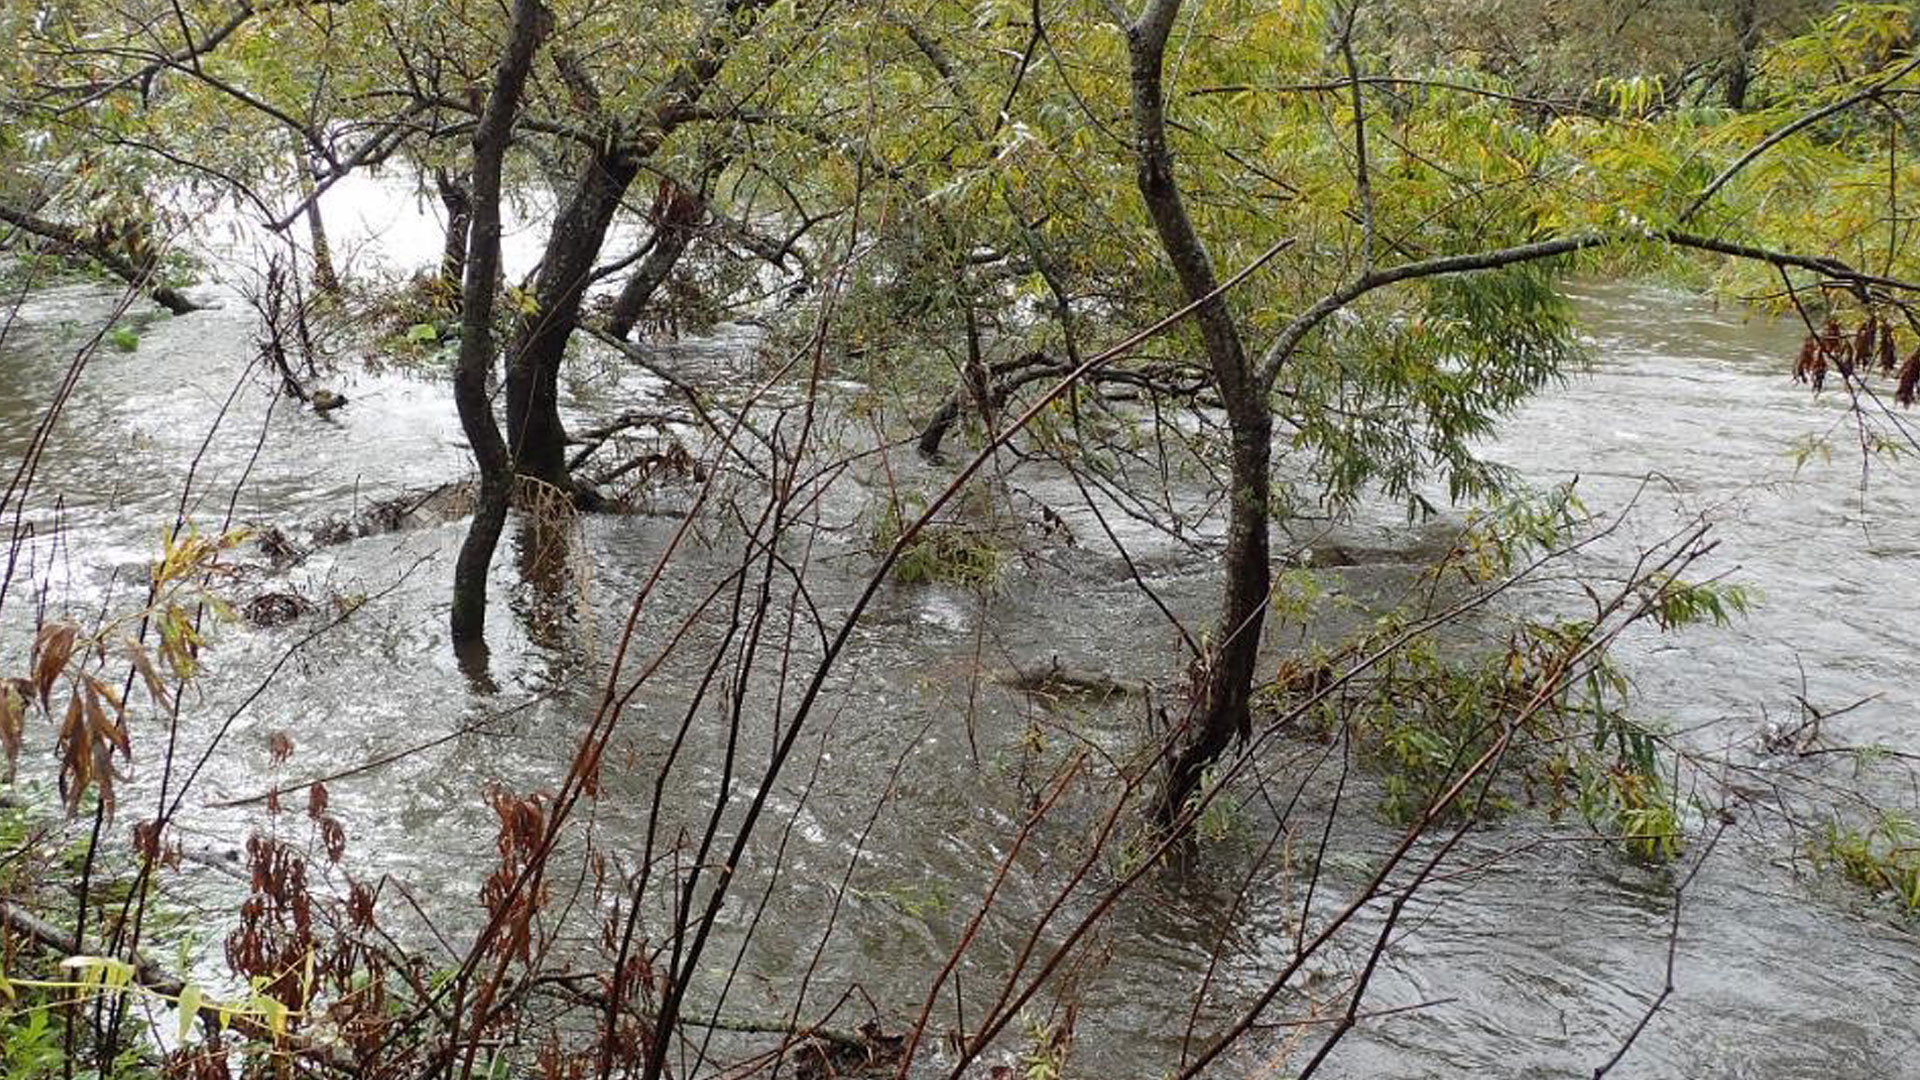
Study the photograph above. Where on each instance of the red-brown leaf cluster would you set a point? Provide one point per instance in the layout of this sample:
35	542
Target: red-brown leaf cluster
1869	347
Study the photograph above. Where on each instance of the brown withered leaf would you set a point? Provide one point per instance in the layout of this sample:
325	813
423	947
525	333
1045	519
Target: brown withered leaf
14	694
279	747
146	839
1865	341
103	735
52	648
116	730
360	901
76	757
317	801
1888	358
149	676
333	836
1809	352
1908	379
1832	338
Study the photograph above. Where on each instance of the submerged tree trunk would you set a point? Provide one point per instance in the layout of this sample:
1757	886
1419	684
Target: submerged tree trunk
1221	713
531	22
535	432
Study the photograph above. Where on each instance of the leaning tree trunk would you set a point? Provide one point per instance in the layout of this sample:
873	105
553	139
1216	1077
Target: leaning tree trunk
538	438
141	269
533	372
531	22
1220	715
675	215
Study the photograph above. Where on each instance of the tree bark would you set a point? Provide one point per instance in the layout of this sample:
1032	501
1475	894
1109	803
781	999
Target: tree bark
1221	714
1746	25
676	215
140	274
535	432
457	199
324	277
531	23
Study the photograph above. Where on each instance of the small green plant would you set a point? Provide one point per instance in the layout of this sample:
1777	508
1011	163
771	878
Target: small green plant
1883	856
123	339
941	552
915	901
1219	817
1549	707
1048	1046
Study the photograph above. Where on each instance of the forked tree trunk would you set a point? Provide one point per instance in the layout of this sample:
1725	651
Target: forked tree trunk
531	22
535	431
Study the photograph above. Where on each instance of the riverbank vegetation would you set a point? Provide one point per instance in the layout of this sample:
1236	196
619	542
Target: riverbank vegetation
1224	278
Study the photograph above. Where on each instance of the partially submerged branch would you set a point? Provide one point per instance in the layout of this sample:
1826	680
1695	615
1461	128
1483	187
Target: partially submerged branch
141	271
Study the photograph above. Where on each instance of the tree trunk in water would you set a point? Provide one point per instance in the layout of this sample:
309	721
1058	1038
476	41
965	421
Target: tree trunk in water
1221	715
531	22
324	277
457	199
537	437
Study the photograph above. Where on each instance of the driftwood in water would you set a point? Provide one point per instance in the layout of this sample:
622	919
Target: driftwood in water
1056	680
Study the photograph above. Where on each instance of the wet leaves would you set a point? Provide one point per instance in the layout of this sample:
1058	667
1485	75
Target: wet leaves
523	827
87	741
14	695
52	649
1868	347
1907	380
149	675
274	942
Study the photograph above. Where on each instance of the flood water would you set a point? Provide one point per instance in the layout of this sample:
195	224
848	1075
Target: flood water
1528	963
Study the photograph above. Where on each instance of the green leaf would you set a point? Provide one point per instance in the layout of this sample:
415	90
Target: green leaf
190	996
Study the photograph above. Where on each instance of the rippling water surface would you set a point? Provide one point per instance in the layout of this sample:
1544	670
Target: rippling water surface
1533	965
